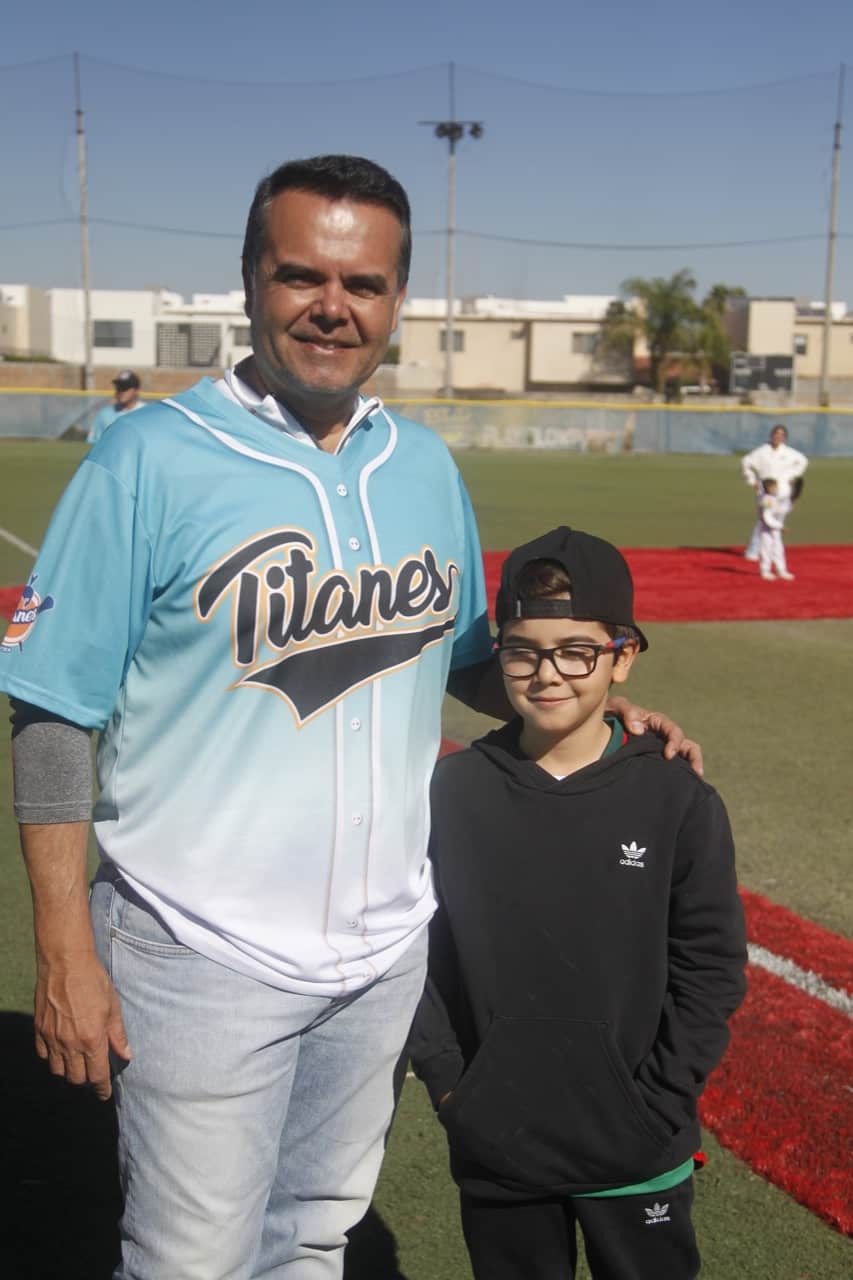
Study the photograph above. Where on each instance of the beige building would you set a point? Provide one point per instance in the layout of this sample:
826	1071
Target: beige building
508	346
785	326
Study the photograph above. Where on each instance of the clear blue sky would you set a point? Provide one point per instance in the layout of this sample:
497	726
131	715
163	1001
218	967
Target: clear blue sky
612	124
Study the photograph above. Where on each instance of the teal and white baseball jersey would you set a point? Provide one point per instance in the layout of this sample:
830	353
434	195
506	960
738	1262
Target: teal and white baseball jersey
263	633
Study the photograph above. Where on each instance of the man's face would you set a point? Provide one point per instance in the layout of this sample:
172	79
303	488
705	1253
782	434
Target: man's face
325	297
125	397
778	436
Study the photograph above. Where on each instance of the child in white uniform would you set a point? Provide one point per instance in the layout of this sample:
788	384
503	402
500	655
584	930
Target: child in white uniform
772	513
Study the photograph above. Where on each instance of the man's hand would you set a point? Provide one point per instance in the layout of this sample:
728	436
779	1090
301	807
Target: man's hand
77	1014
78	1020
637	720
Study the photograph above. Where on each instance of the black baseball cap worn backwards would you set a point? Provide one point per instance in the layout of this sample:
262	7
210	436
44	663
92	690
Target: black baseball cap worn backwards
602	589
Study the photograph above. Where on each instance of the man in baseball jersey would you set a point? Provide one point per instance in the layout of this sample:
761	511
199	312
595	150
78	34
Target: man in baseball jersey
775	460
256	592
125	400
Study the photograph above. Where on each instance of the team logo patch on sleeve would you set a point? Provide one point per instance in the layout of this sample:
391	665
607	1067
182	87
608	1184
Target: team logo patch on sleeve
329	633
27	612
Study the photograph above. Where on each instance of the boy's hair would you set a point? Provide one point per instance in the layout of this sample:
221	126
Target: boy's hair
545	579
767	482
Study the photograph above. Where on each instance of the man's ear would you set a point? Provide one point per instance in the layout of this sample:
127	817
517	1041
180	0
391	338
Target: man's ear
624	662
398	302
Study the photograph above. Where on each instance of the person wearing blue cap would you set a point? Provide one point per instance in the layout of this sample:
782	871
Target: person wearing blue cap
125	400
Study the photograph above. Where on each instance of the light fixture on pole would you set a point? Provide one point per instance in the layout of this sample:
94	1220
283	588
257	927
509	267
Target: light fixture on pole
454	131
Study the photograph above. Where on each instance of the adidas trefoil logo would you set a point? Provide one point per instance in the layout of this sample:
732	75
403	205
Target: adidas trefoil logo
657	1213
632	855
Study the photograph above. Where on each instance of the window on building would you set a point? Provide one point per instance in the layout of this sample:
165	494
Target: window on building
241	335
801	344
584	344
112	333
458	340
183	346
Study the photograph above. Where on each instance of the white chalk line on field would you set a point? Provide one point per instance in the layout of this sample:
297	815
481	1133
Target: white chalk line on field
805	979
18	542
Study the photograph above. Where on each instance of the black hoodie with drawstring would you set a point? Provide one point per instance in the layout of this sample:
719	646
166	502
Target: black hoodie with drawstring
588	948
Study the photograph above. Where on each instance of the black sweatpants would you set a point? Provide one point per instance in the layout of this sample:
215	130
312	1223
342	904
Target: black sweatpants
642	1237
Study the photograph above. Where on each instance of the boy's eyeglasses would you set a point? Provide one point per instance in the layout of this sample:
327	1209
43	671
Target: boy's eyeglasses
574	660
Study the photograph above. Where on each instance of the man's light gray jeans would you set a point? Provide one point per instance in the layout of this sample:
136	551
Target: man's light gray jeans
252	1121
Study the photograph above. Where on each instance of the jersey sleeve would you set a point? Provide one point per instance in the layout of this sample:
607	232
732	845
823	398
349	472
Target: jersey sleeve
749	467
85	606
98	427
473	642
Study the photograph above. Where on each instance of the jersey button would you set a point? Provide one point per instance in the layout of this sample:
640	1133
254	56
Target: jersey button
354	544
355	724
357	819
342	491
352	924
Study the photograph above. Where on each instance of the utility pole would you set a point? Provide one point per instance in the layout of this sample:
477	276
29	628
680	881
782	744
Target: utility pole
454	131
88	379
823	395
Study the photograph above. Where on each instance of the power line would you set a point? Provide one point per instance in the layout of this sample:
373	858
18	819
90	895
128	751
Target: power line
35	62
575	90
652	93
594	247
266	84
527	242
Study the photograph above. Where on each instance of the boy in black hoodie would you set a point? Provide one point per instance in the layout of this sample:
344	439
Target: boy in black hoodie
587	950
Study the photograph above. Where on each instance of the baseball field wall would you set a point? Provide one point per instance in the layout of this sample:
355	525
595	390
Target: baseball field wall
565	425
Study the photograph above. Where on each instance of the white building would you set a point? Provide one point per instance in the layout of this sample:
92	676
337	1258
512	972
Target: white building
24	320
140	328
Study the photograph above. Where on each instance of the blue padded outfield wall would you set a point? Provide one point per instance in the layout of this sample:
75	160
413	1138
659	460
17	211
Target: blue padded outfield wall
579	426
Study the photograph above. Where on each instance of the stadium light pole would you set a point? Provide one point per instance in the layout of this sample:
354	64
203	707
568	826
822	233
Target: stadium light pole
823	393
84	232
454	131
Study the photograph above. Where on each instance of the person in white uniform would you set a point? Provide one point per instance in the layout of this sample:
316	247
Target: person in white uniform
773	512
775	460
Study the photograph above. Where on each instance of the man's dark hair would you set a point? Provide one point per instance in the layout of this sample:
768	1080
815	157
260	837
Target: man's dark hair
780	426
337	178
543	579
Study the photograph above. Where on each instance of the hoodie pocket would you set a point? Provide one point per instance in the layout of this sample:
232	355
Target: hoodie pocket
548	1103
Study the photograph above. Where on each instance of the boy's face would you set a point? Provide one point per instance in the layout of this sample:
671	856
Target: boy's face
554	704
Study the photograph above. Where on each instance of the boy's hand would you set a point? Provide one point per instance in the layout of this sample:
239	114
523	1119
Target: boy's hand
637	720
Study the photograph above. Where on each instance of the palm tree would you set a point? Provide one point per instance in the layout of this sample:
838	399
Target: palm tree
666	314
667	311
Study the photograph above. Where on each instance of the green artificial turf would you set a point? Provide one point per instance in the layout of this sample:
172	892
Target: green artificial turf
767	701
644	500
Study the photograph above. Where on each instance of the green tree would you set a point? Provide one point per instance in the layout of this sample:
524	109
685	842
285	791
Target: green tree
674	325
716	347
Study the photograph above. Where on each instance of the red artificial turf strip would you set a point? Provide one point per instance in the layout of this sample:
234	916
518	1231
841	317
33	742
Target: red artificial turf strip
9	597
716	584
705	584
785	934
781	1099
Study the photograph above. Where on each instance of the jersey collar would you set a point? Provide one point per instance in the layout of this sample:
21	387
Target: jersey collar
272	411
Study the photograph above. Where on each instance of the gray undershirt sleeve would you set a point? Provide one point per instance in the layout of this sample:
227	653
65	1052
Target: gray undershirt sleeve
52	767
